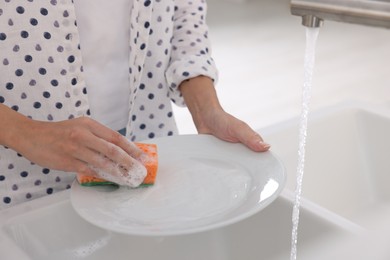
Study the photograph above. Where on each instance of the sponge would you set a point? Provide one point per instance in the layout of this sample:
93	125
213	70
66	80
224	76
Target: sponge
150	163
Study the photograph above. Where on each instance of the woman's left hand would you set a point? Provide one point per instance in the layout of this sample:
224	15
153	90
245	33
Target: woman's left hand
210	118
228	128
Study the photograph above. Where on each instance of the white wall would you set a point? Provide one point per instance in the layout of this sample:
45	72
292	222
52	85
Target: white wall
259	46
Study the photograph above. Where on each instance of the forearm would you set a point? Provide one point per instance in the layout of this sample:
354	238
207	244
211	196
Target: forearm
200	97
11	124
75	145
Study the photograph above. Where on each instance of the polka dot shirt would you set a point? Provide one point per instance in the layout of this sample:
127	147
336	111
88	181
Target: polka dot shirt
41	75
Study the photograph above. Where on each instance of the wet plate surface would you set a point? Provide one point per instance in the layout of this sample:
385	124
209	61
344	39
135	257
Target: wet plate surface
203	183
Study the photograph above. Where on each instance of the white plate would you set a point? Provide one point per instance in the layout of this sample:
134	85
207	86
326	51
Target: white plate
202	183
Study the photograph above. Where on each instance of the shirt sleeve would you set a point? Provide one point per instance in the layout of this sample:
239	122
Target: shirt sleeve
191	49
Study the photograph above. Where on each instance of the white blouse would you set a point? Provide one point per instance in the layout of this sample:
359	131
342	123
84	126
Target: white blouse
42	74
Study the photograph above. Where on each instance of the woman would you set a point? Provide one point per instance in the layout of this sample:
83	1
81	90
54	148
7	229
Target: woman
73	74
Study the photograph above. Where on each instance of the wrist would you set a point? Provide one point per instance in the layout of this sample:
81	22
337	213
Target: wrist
201	99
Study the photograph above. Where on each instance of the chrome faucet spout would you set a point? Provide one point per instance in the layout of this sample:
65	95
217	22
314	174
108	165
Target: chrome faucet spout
311	21
365	12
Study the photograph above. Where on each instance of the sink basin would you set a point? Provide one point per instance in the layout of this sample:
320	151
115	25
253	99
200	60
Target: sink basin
49	228
347	162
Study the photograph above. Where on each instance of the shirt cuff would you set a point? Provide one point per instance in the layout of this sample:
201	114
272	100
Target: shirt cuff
187	68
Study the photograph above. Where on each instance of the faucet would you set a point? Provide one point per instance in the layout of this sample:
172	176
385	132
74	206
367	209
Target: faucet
365	12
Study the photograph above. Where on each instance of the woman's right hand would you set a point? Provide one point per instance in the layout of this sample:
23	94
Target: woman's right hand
78	145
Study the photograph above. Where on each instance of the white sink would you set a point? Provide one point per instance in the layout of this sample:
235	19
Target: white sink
347	166
345	191
49	228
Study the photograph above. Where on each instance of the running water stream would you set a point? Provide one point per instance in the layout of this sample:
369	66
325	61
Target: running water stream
311	39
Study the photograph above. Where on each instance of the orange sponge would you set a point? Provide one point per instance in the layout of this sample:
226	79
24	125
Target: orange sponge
151	165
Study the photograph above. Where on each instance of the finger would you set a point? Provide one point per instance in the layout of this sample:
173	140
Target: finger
83	168
117	139
116	173
94	164
95	141
250	138
95	160
131	148
112	152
